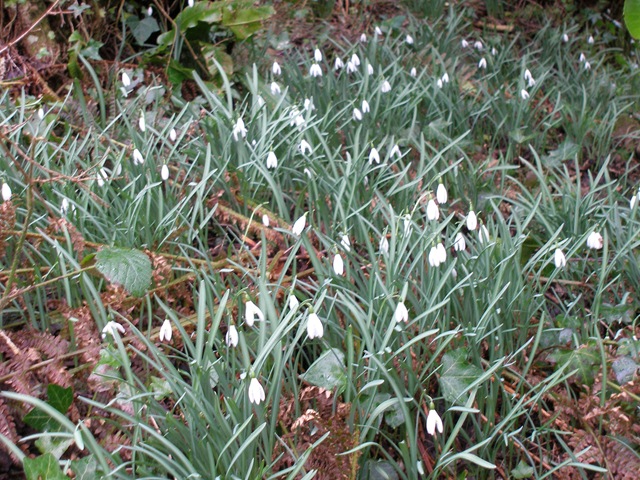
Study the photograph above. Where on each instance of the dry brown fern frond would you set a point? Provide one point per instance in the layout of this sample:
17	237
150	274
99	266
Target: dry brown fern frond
7	223
621	462
8	428
63	225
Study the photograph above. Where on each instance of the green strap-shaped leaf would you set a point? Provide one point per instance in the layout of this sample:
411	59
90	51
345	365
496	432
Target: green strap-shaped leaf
127	267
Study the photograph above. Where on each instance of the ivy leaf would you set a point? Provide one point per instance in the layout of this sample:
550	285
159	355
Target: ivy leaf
127	267
457	375
44	467
632	17
246	21
625	369
85	468
59	398
328	371
582	360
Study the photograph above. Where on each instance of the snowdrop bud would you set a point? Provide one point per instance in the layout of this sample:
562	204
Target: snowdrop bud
582	58
441	194
524	94
293	302
439	83
442	253
272	160
478	45
409	39
142	123
338	265
6	192
494	52
483	234
299	225
464	43
369	69
265	220
345	242
276	68
338	64
590	40
315	70
559	259
395	151
459	244
149	11
384	245
401	314
305	147
239	130
434	422
102	177
165	331
314	326
407	224
164	172
126	80
433	213
587	66
445	78
275	88
252	313
173	135
308	104
565	38
357	114
374	156
138	159
472	220
386	87
363	38
413	72
231	338
377	30
355	60
317	54
595	241
351	67
256	392
365	107
64	206
482	63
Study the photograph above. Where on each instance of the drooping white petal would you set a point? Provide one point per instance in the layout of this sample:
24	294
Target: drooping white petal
472	220
298	226
401	314
559	259
374	156
256	392
164	172
338	265
459	244
6	192
441	194
165	331
232	337
314	326
433	213
434	422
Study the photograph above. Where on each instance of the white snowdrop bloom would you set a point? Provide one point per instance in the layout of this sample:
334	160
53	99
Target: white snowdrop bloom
439	83
386	87
409	39
445	78
483	234
345	242
582	58
407	224
442	253
138	159
272	160
142	123
299	225
369	69
459	244
338	64
118	170
190	3
256	392
102	177
357	114
395	151
315	70
149	11
355	59
275	68
524	94
338	264
232	337
401	313
472	220
441	194
260	101
165	331
559	259
252	313
64	206
351	67
363	38
293	302
110	329
413	72
173	135
590	40
587	65
632	202
275	88
527	75
565	38
304	146
239	130
164	172
482	63
434	422
384	245
265	220
433	213
494	52
377	30
126	80
595	241
478	45
365	107
317	55
374	156
308	105
464	43
434	257
6	192
314	326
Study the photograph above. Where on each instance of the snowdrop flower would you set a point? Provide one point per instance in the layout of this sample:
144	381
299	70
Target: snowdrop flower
386	87
582	58
590	40
338	264
478	45
529	78
442	253
363	38
464	43
314	326
308	104
275	88
434	422
338	64
434	257
317	54
401	314
149	11
384	245
357	114
413	72
472	220
276	68
315	70
272	160
374	156
64	206
441	194
445	78
395	151
432	210
377	30
565	38
126	80
110	329
351	67
369	69
102	177
6	192
559	259
524	94
165	331
304	146
439	83
293	302
345	242
407	224
494	52
256	392
252	313
138	159
482	63
142	123
190	3
231	338
365	107
265	220
299	225
595	241
587	66
173	135
164	172
483	234
459	244
239	130
355	60
632	202
409	39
